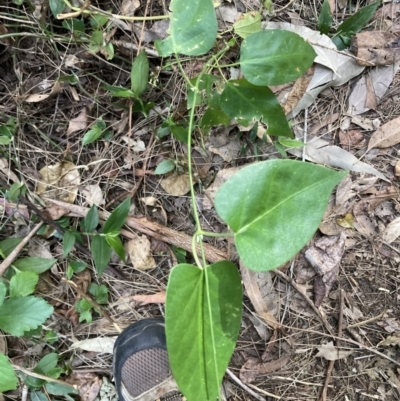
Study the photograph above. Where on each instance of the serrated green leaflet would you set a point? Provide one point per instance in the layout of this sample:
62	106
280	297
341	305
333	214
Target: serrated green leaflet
193	28
165	167
21	314
23	284
203	316
274	208
275	57
8	379
245	102
47	363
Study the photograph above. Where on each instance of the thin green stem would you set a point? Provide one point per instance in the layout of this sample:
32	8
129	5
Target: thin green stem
216	235
230	65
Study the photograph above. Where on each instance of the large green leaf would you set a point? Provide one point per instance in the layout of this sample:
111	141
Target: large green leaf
140	74
275	57
21	314
246	102
354	24
193	28
34	264
325	18
274	208
203	315
8	379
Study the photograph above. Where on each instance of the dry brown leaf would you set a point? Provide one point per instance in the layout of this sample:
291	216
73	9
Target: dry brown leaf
254	368
135	145
139	251
351	138
128	7
37	97
78	123
386	136
370	203
59	181
6	171
364	225
5	41
176	185
397	169
262	303
325	256
228	150
93	195
391	325
98	344
371	100
331	353
221	177
88	384
392	231
375	48
3	344
390	341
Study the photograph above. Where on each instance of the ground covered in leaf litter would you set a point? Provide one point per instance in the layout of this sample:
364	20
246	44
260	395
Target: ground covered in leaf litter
341	290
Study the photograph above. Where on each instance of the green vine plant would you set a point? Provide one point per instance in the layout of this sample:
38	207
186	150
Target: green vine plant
272	208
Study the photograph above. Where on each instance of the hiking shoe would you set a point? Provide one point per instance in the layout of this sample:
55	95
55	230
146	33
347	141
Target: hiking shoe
141	367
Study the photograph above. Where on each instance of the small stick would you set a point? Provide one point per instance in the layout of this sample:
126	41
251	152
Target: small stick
13	255
332	363
306	298
94	303
243	386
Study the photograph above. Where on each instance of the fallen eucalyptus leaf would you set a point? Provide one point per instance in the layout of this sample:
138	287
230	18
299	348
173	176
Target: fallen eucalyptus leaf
332	353
99	344
385	136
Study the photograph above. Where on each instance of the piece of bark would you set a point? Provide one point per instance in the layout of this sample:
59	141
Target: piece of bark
376	48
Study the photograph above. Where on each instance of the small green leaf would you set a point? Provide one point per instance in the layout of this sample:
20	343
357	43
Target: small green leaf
91	220
117	217
56	7
109	50
140	74
275	57
101	253
5	140
3	292
74	25
21	314
245	102
61	390
98	20
274	209
15	191
23	284
118	91
291	143
193	29
95	133
68	242
47	363
75	266
325	18
212	117
8	378
249	23
96	41
8	245
38	396
51	336
34	264
354	24
206	305
281	149
179	132
204	85
165	167
100	293
116	244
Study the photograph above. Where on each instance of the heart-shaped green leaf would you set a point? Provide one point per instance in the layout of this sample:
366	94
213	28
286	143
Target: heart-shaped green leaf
203	315
275	57
274	208
246	102
193	28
